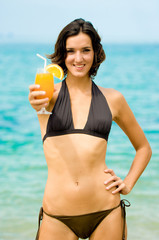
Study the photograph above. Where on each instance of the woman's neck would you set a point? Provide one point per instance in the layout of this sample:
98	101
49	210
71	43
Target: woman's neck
77	82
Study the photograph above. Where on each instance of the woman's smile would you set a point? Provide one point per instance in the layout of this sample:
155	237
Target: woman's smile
79	67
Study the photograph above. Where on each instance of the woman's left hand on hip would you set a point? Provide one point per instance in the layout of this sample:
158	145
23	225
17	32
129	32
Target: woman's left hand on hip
115	181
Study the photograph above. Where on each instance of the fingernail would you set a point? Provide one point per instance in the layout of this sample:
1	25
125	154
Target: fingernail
105	182
38	86
107	188
43	92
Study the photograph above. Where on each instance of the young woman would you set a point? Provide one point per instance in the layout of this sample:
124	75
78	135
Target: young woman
82	196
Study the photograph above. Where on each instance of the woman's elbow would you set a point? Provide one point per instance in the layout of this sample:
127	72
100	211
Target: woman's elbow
149	151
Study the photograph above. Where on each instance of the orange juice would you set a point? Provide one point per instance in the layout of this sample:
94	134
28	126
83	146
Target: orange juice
46	82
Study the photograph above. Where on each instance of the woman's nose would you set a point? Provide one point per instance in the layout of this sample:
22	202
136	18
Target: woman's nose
78	57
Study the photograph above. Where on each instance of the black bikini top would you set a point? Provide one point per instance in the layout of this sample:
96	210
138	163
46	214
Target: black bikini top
99	119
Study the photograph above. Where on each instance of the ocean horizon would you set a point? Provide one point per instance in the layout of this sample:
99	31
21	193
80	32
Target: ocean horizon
131	69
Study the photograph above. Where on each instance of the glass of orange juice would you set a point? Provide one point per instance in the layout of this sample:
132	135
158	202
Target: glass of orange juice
46	82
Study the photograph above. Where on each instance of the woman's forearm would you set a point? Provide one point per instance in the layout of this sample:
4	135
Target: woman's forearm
140	162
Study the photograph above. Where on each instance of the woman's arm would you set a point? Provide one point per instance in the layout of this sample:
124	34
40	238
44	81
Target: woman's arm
124	117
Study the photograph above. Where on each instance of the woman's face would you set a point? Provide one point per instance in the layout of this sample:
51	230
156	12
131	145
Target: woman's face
79	55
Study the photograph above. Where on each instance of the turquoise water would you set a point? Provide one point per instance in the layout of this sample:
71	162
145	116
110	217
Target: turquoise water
131	69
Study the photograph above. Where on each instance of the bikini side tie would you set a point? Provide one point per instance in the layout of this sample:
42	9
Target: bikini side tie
39	221
124	203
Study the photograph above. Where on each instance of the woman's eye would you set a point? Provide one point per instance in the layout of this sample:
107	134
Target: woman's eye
70	51
86	50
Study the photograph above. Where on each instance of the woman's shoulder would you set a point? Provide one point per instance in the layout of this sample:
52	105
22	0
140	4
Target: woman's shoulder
114	98
57	88
111	94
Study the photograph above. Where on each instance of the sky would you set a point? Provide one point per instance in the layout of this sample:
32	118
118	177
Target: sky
117	21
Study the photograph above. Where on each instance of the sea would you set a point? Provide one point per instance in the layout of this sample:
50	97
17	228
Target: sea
132	69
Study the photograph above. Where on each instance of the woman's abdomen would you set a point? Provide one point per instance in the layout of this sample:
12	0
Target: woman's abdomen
67	196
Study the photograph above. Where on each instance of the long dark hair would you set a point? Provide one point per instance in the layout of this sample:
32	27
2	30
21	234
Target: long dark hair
72	29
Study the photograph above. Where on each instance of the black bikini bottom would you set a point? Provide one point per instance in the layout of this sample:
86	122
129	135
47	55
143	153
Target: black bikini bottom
84	225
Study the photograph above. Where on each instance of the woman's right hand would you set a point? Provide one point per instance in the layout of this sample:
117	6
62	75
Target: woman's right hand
37	104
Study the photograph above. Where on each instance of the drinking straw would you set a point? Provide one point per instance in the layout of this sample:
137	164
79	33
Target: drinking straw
43	59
